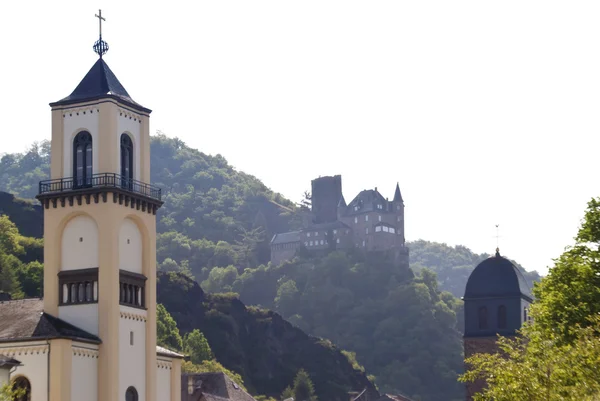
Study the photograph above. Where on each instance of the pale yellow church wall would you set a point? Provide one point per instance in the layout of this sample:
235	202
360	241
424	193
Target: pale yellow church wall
132	357
127	123
83	316
130	247
34	357
84	382
4	377
163	379
79	244
74	122
108	217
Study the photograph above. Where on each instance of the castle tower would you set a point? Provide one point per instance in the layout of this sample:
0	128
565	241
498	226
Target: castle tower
326	195
497	299
100	236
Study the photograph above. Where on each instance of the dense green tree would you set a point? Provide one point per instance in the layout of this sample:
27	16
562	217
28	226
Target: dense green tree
303	387
538	366
570	294
196	346
167	334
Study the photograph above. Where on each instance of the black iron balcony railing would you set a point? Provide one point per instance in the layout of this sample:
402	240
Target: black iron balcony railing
102	180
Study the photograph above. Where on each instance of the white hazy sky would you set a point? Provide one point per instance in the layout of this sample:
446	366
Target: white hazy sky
485	112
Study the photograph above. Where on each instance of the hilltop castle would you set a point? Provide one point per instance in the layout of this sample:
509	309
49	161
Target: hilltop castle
370	222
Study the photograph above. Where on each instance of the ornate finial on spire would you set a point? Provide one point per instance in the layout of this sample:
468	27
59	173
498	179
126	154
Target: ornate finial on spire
100	47
497	252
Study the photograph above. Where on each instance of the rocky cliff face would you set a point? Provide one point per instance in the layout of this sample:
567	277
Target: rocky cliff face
259	344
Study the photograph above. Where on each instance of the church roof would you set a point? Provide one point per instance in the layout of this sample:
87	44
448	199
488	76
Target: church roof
167	352
8	361
497	277
100	82
25	320
216	386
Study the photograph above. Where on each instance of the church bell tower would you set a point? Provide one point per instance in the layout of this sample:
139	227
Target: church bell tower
100	233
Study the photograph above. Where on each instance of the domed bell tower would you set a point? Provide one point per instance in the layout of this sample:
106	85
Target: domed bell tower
497	300
100	232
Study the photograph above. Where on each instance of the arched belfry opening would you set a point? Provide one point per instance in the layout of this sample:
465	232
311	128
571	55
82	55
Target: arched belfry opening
22	388
82	160
126	159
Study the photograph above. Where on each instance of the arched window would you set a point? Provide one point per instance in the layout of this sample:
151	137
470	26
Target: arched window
126	160
22	387
483	315
502	317
131	394
82	159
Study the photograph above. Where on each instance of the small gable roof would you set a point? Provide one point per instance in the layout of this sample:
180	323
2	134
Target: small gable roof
162	351
286	238
25	320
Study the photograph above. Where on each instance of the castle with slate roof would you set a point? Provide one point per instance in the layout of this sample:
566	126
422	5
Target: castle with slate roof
369	222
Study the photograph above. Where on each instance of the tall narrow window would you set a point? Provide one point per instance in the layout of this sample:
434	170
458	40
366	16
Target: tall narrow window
126	160
483	315
82	160
502	317
525	314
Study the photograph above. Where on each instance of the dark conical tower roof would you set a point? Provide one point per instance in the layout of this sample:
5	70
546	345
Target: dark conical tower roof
100	82
397	194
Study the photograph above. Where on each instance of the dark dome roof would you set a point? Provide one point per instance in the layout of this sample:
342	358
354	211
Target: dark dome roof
496	277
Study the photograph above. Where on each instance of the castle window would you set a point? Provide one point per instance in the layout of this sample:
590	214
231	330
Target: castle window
311	243
392	230
386	229
335	231
367	217
306	244
131	394
483	315
22	385
377	229
82	160
502	317
379	217
398	218
363	243
337	240
367	230
398	207
308	234
355	220
322	242
316	234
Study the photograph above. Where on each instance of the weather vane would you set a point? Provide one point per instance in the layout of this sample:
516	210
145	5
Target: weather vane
100	47
497	239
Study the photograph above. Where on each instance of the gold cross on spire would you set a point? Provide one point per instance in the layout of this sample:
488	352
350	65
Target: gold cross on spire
100	19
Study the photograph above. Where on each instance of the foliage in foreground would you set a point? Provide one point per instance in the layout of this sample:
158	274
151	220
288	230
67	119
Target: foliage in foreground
538	366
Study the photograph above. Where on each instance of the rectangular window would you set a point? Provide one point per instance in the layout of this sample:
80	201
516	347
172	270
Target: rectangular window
367	230
379	218
337	240
385	229
355	220
367	217
335	231
392	230
131	338
378	229
316	234
321	242
363	243
311	243
308	234
398	218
